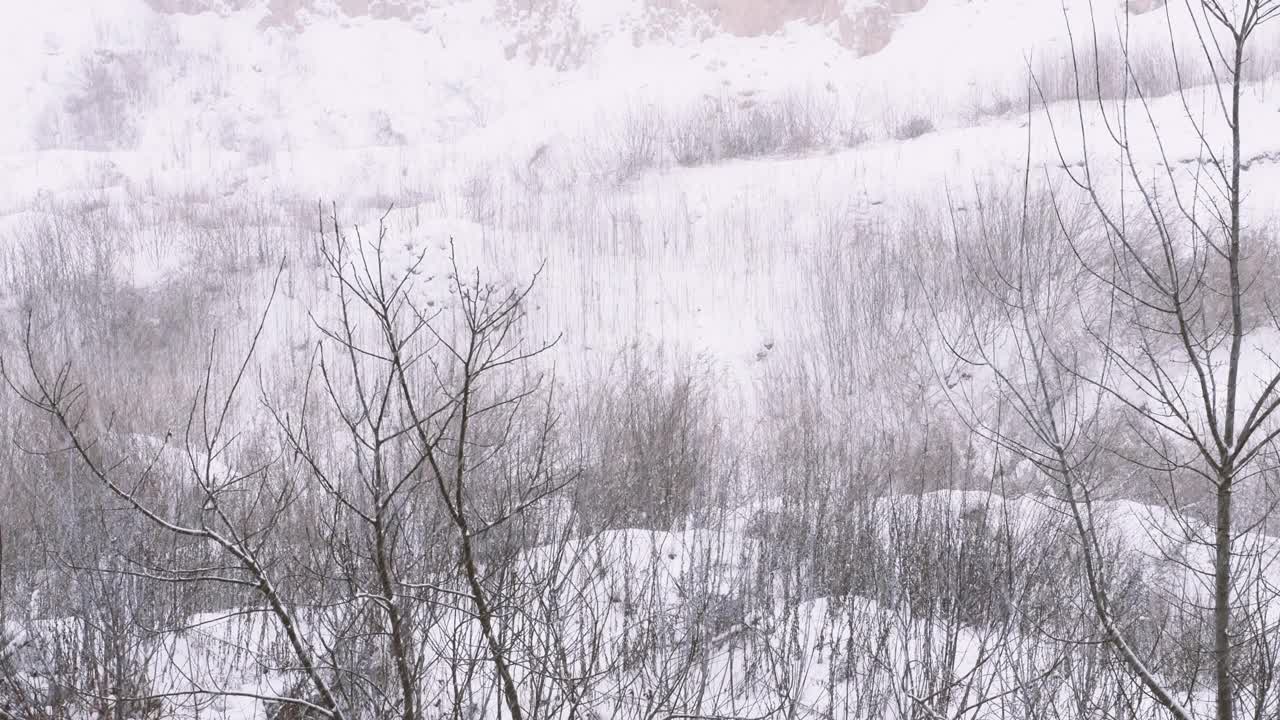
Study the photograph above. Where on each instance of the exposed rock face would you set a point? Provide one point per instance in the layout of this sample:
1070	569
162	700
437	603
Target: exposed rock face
1138	7
542	26
865	30
763	17
289	13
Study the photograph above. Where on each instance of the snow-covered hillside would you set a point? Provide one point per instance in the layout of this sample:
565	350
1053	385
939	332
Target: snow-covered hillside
753	226
470	116
485	121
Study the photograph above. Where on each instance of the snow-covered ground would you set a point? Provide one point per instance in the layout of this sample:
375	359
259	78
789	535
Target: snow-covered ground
680	176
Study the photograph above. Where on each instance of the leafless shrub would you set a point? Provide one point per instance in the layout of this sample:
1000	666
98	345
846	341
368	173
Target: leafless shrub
1103	67
753	130
1263	60
384	132
808	119
694	138
633	146
74	255
247	136
479	198
721	130
913	128
102	108
992	101
547	33
651	443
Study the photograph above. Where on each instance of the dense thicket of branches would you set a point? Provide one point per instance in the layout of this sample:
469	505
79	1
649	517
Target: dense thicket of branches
1036	488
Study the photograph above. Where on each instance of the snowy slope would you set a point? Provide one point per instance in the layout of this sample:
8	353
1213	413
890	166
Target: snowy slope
205	133
683	171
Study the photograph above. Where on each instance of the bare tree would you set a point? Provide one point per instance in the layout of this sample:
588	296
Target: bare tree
449	420
229	515
1118	343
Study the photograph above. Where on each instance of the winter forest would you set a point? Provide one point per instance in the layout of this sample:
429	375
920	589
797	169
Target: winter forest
640	359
